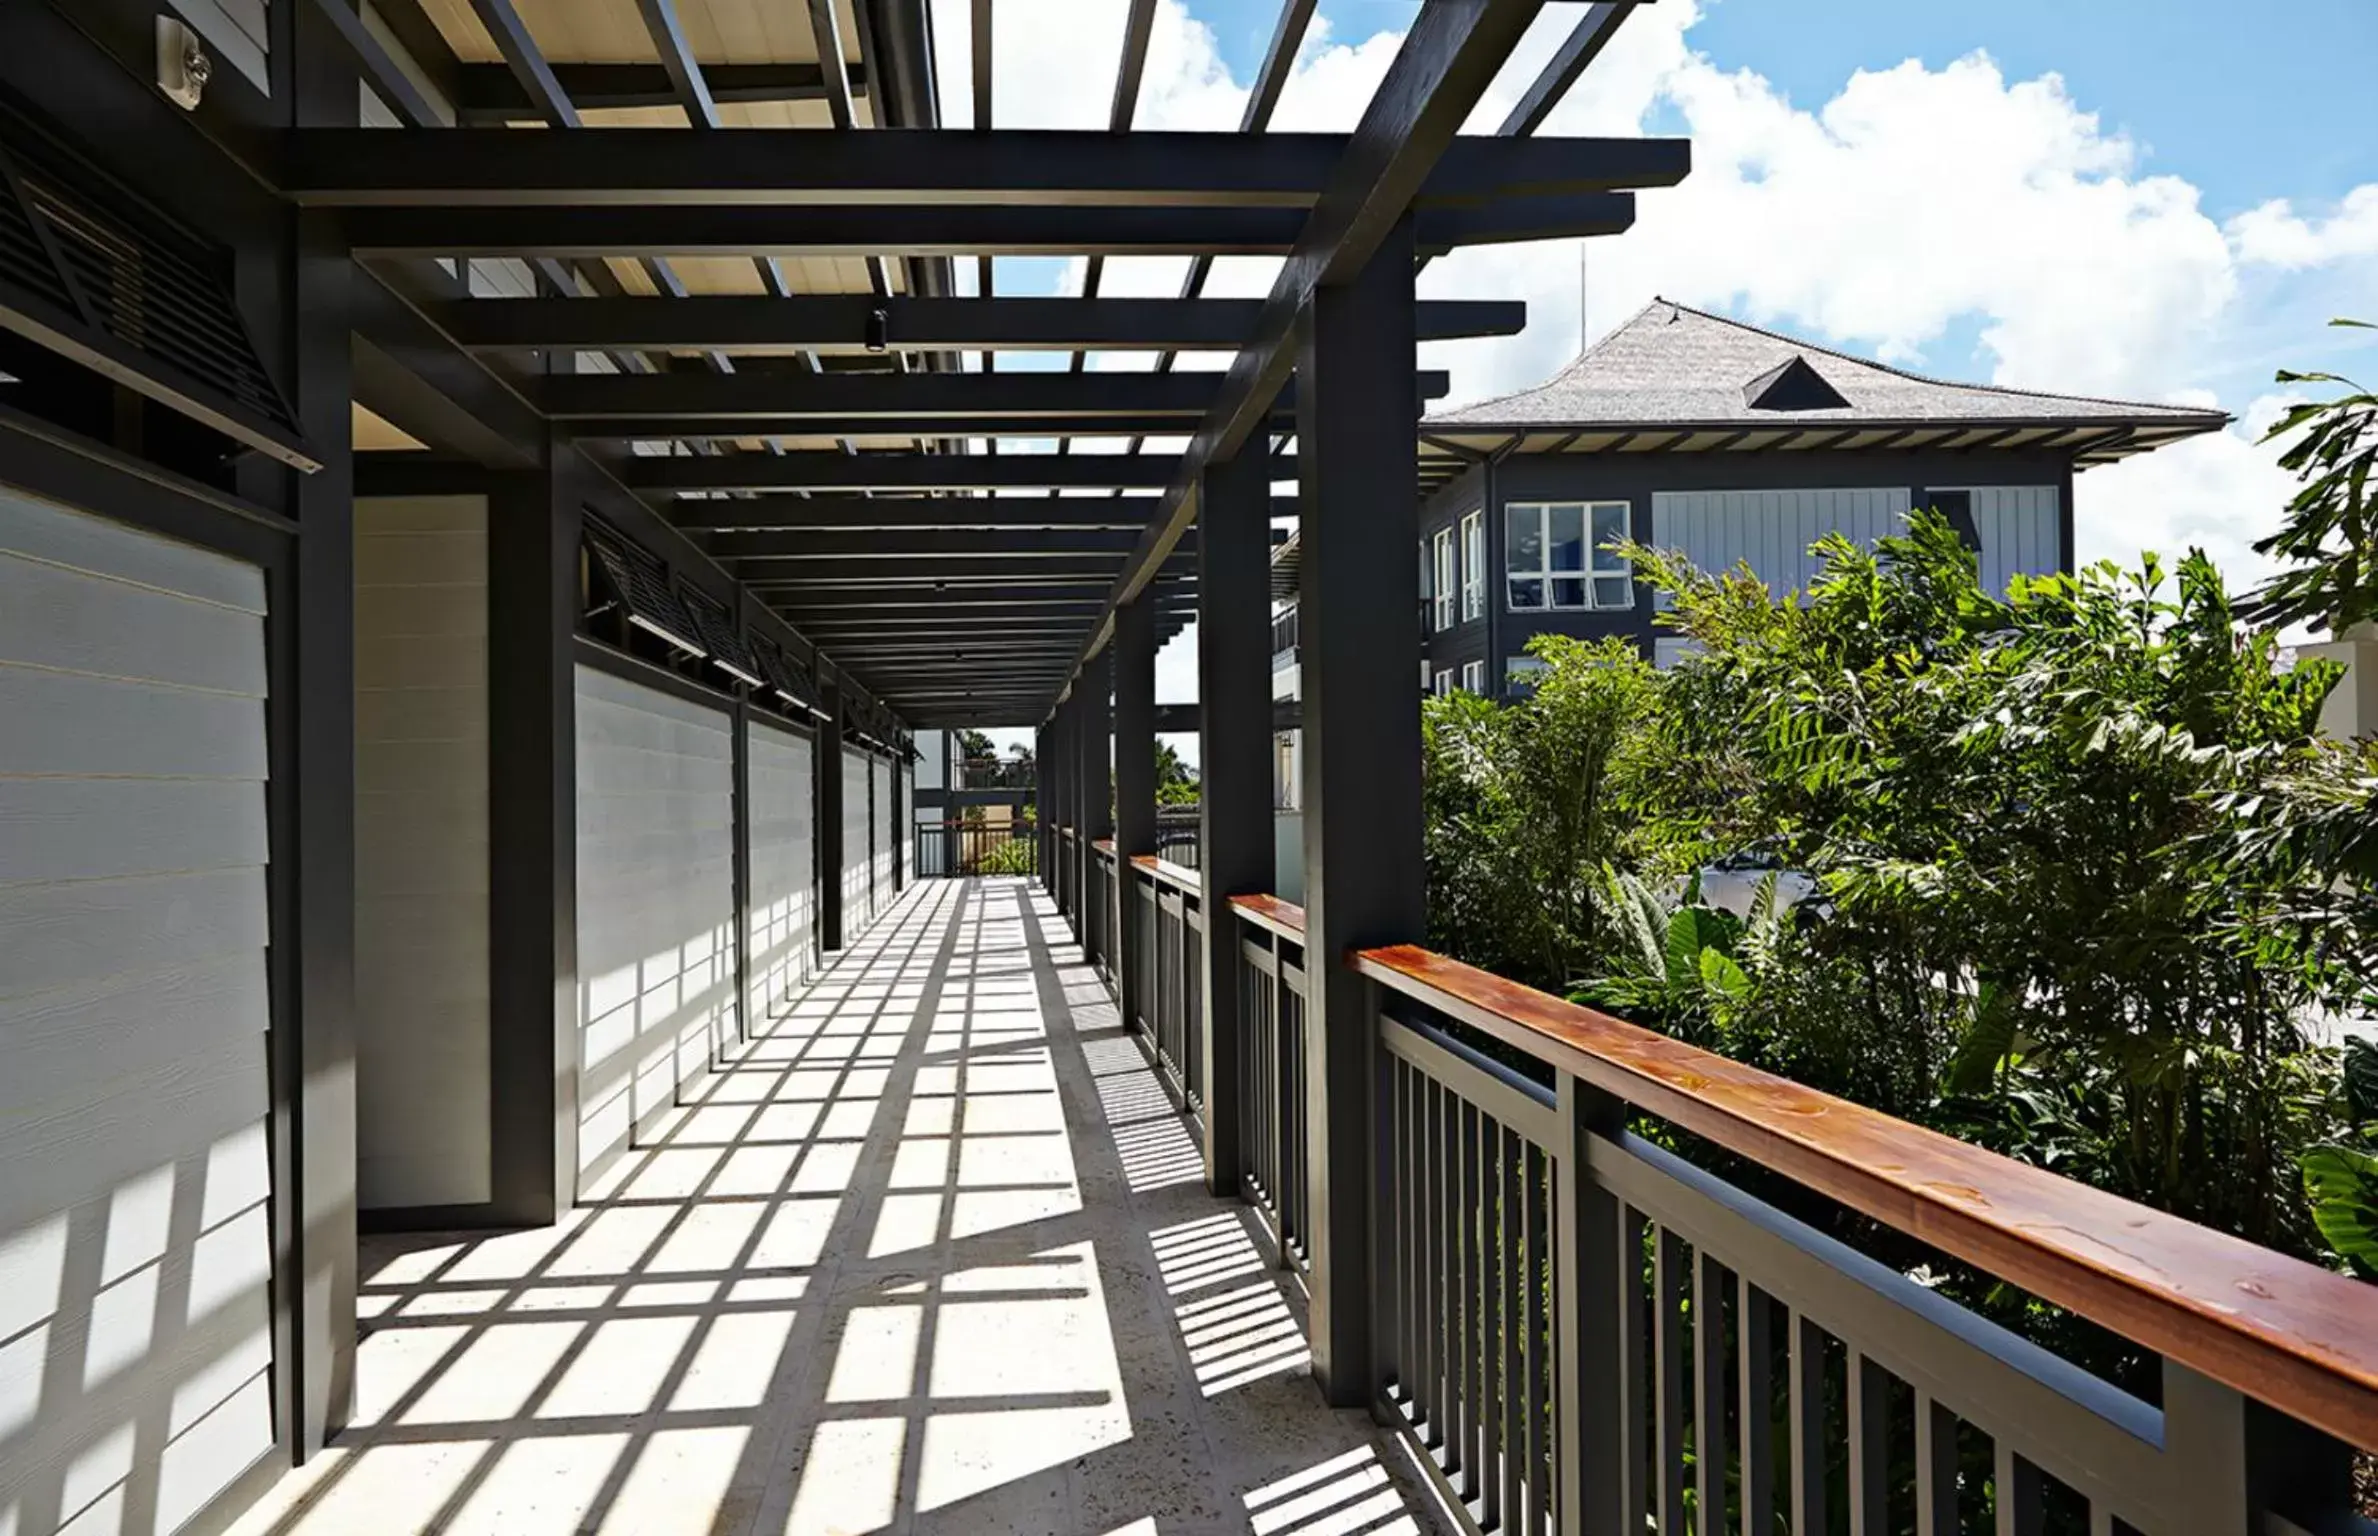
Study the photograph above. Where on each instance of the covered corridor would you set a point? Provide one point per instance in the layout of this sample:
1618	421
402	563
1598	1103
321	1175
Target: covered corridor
931	1253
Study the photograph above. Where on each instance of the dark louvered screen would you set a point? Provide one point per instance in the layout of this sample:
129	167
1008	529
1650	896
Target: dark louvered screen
642	586
127	290
721	638
777	669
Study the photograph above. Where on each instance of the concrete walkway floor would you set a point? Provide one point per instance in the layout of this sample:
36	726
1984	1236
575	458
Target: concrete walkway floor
930	1255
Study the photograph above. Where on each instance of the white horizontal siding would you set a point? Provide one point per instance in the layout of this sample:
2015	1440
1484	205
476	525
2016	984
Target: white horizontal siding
1771	531
886	825
783	867
656	908
135	1251
421	852
858	907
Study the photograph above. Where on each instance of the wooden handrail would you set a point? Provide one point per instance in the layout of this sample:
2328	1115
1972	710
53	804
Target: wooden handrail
2300	1338
1284	918
1105	845
1179	876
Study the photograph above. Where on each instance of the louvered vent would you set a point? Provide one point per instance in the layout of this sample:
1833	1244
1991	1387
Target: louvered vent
777	668
722	640
90	271
641	584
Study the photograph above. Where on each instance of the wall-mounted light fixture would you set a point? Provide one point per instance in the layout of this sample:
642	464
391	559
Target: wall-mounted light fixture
879	329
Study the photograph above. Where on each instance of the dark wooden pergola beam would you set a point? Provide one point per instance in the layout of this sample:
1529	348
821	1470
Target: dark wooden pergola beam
1447	62
1021	545
373	168
823	471
488	96
756	513
846	323
783	396
699	429
957	229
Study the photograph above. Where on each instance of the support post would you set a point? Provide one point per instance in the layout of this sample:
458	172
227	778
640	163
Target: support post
1359	599
1598	1460
829	814
1234	722
1098	804
1042	865
532	791
1135	789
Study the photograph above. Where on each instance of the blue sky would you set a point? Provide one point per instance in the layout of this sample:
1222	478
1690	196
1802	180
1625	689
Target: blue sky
2146	199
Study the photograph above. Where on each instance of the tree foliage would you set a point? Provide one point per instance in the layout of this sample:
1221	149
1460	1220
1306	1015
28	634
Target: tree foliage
2074	850
2327	543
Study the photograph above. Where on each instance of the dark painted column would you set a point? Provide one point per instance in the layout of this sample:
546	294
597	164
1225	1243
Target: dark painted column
532	823
1234	722
903	829
1061	811
739	815
1359	599
1098	789
829	815
1040	818
1135	784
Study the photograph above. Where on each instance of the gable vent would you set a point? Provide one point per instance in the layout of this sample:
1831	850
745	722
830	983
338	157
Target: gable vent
1793	385
94	275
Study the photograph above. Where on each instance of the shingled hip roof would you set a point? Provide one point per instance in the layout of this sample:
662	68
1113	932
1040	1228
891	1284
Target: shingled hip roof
1672	366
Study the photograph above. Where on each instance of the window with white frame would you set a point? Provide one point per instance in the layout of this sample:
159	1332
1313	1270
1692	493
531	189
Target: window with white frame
1473	677
1473	566
1426	673
1442	589
1444	682
1557	554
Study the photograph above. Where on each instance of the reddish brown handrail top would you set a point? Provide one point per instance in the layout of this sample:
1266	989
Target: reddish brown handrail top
1285	918
1179	876
2297	1336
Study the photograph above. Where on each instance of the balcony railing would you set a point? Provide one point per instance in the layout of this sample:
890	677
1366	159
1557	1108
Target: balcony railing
995	773
1580	1329
946	848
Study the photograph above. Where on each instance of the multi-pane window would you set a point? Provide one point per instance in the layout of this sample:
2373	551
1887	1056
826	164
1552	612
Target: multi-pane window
1559	554
1444	682
1473	677
1473	566
1441	590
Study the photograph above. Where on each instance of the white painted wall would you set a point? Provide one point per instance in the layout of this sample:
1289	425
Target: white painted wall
782	868
421	852
135	1241
886	824
858	890
656	905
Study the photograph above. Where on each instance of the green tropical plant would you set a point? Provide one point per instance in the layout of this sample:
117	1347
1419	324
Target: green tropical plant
2327	542
2341	1177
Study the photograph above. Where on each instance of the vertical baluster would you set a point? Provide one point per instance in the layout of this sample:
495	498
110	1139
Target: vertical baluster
1668	1385
1870	1447
1511	1254
2020	1506
1634	1348
1432	1266
1470	1397
1936	1468
1486	1212
1807	1343
1532	1386
1416	1241
1754	1333
1711	1389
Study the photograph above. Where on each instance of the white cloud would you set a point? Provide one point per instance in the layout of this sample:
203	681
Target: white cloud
1917	207
2274	234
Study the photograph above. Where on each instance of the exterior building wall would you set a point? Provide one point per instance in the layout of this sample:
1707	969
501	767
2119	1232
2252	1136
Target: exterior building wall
2022	508
421	853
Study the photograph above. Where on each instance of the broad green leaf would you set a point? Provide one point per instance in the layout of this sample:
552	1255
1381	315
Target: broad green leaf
1720	974
2342	1184
1988	1040
2361	1080
1684	949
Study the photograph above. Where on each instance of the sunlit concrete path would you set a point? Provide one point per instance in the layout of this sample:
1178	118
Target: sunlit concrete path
931	1254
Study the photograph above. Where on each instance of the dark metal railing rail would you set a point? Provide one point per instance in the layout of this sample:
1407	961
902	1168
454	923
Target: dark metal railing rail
1583	1331
1579	1330
1272	1147
952	848
1171	999
1102	908
1178	835
996	773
